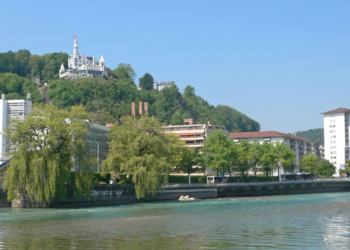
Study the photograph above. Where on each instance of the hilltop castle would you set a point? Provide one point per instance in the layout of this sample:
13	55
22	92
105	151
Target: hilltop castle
82	66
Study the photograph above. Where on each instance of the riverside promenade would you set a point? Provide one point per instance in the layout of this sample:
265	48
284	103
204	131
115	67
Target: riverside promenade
125	194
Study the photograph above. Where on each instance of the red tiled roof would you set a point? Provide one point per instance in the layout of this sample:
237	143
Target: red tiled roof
339	110
264	134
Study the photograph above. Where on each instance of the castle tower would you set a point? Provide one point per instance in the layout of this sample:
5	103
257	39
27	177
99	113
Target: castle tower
75	48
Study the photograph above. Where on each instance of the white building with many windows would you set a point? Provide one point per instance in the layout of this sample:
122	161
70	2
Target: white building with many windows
83	66
11	109
194	134
336	137
301	146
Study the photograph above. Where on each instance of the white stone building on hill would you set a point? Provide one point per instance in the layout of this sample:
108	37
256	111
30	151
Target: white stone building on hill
83	66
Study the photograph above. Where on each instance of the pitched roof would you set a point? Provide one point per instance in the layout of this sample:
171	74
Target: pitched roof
339	110
264	134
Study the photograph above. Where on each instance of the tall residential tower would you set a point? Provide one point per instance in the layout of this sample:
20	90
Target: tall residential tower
336	137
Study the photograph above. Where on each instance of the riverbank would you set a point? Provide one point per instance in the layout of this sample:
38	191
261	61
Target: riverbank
125	194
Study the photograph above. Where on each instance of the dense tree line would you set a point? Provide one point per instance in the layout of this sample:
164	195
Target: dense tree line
222	154
24	64
315	135
16	87
109	100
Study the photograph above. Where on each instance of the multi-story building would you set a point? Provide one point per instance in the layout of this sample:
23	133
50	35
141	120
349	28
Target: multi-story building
299	145
11	109
97	142
83	66
162	85
336	137
192	133
97	137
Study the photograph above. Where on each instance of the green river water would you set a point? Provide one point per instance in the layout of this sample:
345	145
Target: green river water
312	221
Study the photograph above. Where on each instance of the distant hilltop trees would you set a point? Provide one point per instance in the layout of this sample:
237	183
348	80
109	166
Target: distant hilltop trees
107	99
315	135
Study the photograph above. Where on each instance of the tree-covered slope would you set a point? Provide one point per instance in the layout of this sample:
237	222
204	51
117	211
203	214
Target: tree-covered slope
109	99
314	135
16	87
24	64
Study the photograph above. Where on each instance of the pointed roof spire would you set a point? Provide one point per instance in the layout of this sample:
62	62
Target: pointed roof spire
62	67
102	59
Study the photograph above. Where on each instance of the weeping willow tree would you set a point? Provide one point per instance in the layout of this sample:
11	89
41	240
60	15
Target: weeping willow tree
46	146
143	148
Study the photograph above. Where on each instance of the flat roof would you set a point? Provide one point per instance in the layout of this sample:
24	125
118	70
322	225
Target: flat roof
264	134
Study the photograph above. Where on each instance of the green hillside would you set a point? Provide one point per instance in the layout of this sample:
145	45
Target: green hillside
108	99
314	135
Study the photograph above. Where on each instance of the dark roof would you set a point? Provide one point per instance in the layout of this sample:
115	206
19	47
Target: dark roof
264	134
339	110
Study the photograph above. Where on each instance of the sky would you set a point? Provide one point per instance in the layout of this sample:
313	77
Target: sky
282	63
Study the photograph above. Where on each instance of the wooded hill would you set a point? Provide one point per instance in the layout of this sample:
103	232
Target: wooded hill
108	99
315	135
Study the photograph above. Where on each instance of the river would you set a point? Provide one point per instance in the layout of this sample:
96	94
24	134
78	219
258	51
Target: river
310	221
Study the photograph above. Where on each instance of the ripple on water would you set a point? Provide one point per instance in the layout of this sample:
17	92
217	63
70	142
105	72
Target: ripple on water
282	222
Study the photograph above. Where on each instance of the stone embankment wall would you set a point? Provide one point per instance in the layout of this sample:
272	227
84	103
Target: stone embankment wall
284	188
124	194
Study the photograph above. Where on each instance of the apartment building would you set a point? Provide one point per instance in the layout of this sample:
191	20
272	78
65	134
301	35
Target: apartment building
192	133
11	109
299	145
336	137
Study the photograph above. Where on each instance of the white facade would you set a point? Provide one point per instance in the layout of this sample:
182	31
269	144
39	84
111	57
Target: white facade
11	109
336	137
162	85
82	66
299	145
194	134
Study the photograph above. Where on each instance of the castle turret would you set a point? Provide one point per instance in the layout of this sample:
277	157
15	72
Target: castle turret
62	69
75	48
102	61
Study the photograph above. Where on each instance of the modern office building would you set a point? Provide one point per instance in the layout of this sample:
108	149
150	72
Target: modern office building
299	145
83	66
97	142
192	133
11	109
336	137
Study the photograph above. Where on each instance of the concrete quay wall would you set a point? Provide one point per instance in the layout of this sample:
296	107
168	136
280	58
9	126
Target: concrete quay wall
125	194
283	188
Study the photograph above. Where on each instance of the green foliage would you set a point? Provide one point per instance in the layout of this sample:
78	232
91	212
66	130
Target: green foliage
16	87
141	147
186	159
124	71
184	179
217	151
146	82
24	64
46	146
325	168
309	163
109	100
101	177
315	135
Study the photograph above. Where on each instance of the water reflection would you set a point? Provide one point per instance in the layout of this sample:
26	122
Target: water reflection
281	222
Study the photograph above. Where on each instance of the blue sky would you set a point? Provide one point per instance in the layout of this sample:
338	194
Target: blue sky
279	62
